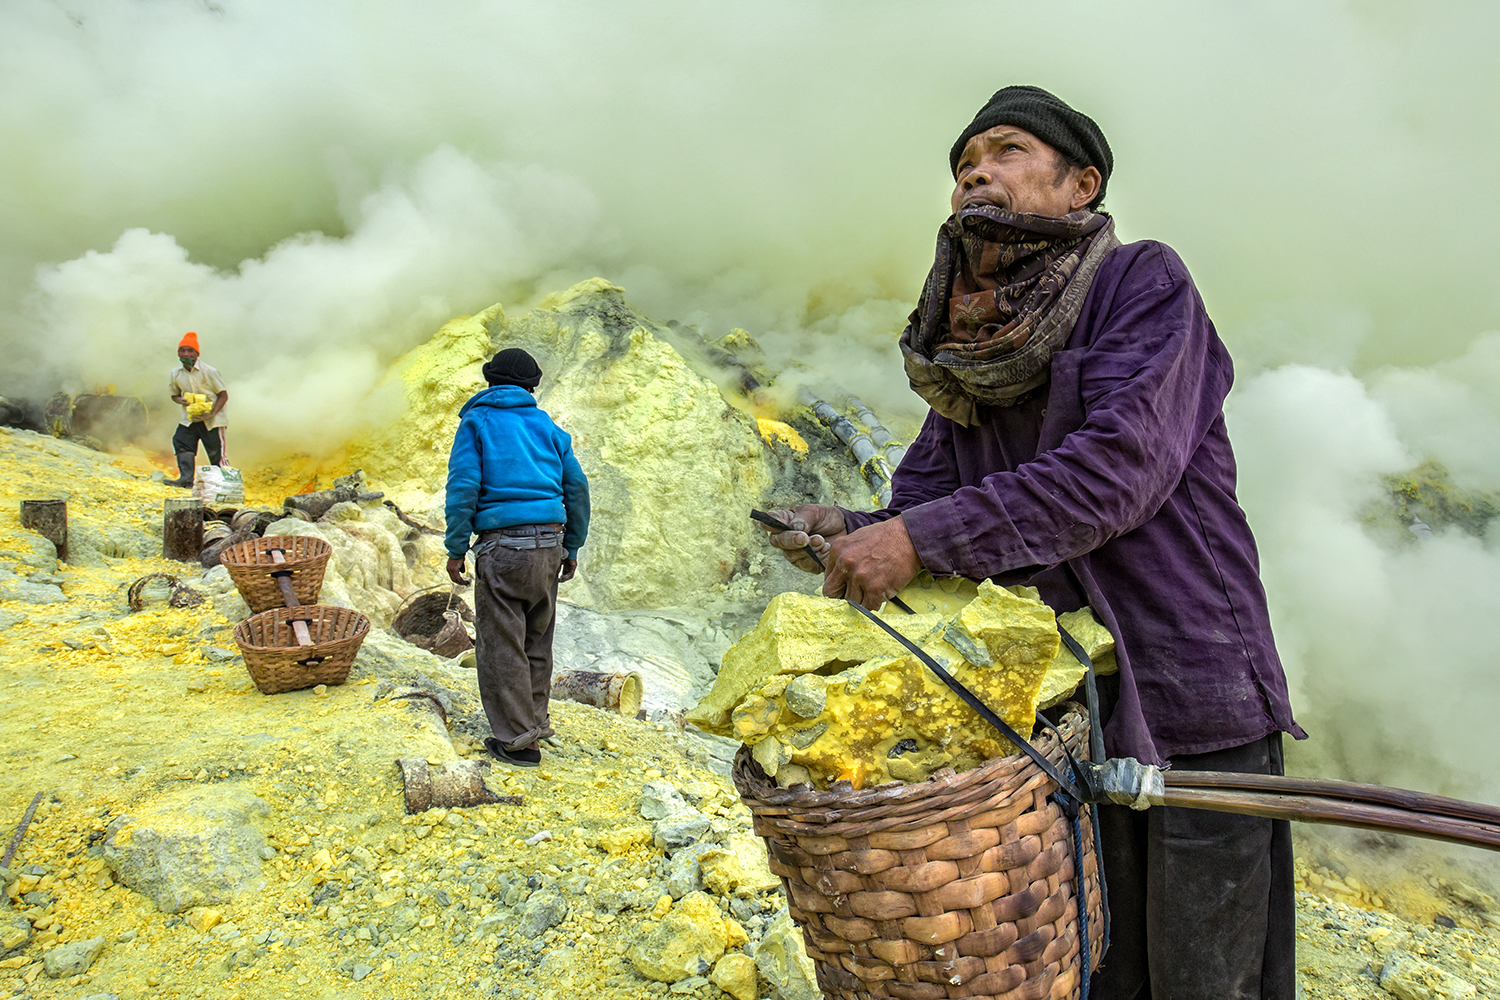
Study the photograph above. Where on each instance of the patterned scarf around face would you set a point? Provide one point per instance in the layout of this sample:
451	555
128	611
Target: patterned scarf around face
1004	292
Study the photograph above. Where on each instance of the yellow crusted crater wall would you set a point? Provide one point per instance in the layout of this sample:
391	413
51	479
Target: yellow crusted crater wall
672	467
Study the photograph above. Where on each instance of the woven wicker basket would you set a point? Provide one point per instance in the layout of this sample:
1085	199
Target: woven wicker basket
959	886
250	567
277	663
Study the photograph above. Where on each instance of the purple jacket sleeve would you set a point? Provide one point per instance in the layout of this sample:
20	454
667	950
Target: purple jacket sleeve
1153	381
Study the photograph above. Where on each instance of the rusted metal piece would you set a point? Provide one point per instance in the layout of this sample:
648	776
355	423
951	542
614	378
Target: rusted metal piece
180	596
48	518
315	505
15	842
454	784
423	700
284	581
255	521
214	548
611	692
412	522
182	529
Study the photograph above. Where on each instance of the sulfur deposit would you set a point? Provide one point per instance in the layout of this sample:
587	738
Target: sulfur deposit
820	694
198	839
672	467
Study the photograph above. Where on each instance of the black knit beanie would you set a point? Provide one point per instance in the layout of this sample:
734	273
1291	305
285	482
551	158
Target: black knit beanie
1050	119
513	366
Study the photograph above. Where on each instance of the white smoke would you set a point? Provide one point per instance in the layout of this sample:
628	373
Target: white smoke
314	188
304	331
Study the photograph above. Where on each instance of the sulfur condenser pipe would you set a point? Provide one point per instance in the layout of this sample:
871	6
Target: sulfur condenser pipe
872	463
893	451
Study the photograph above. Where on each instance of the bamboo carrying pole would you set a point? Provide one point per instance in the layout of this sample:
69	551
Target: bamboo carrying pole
284	581
48	518
1341	803
1339	812
1350	791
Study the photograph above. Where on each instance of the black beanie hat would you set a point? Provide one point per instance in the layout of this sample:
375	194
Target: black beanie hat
1050	119
513	366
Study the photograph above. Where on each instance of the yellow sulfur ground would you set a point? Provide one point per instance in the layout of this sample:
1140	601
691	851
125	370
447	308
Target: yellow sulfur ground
138	714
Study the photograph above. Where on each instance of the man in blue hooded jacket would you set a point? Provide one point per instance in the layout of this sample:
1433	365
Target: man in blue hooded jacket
513	481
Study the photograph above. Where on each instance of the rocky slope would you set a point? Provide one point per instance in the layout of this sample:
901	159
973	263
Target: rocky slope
196	838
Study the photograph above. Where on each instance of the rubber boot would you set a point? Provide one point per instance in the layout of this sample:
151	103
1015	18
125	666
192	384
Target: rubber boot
184	472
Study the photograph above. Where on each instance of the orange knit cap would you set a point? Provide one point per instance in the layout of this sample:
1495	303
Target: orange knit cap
189	339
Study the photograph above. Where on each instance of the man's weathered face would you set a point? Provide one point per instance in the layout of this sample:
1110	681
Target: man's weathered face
187	356
1012	169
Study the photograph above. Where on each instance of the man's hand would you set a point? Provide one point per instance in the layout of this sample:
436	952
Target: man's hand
870	565
815	524
456	572
569	568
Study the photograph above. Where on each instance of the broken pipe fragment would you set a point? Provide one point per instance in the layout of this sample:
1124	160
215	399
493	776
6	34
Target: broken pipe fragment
454	784
611	692
48	518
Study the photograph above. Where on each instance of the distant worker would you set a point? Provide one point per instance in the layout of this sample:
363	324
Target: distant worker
513	481
199	389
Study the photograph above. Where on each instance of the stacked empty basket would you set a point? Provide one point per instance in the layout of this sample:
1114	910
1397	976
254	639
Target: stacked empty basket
291	642
959	886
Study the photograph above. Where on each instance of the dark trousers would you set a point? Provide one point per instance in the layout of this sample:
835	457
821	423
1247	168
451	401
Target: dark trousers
515	610
187	436
1200	903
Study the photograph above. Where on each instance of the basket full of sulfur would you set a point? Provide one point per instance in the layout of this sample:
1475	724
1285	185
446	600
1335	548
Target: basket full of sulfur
963	885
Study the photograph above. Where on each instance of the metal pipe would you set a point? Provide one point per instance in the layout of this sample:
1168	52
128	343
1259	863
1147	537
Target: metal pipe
612	692
872	464
454	784
891	449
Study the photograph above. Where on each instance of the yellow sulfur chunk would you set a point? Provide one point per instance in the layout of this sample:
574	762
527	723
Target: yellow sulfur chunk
847	696
800	634
754	717
925	595
1066	671
772	431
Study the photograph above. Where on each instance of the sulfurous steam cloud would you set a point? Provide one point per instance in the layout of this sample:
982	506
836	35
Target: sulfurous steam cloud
314	188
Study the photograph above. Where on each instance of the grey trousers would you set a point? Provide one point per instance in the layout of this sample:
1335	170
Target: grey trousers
1201	904
515	610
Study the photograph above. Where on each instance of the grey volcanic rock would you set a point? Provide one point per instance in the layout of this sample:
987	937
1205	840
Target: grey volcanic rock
72	959
546	908
191	848
31	593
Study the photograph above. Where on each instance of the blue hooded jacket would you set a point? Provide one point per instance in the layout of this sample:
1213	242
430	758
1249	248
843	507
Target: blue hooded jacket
512	465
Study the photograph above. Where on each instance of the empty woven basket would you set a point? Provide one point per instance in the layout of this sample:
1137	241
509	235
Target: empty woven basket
277	663
959	886
250	566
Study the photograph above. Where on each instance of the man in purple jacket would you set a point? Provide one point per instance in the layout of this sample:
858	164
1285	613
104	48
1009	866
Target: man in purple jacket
1076	443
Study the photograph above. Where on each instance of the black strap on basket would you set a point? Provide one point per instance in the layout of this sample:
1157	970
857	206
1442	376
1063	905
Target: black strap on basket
1072	793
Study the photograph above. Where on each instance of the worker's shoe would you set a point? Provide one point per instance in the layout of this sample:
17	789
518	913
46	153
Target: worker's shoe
529	757
184	473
